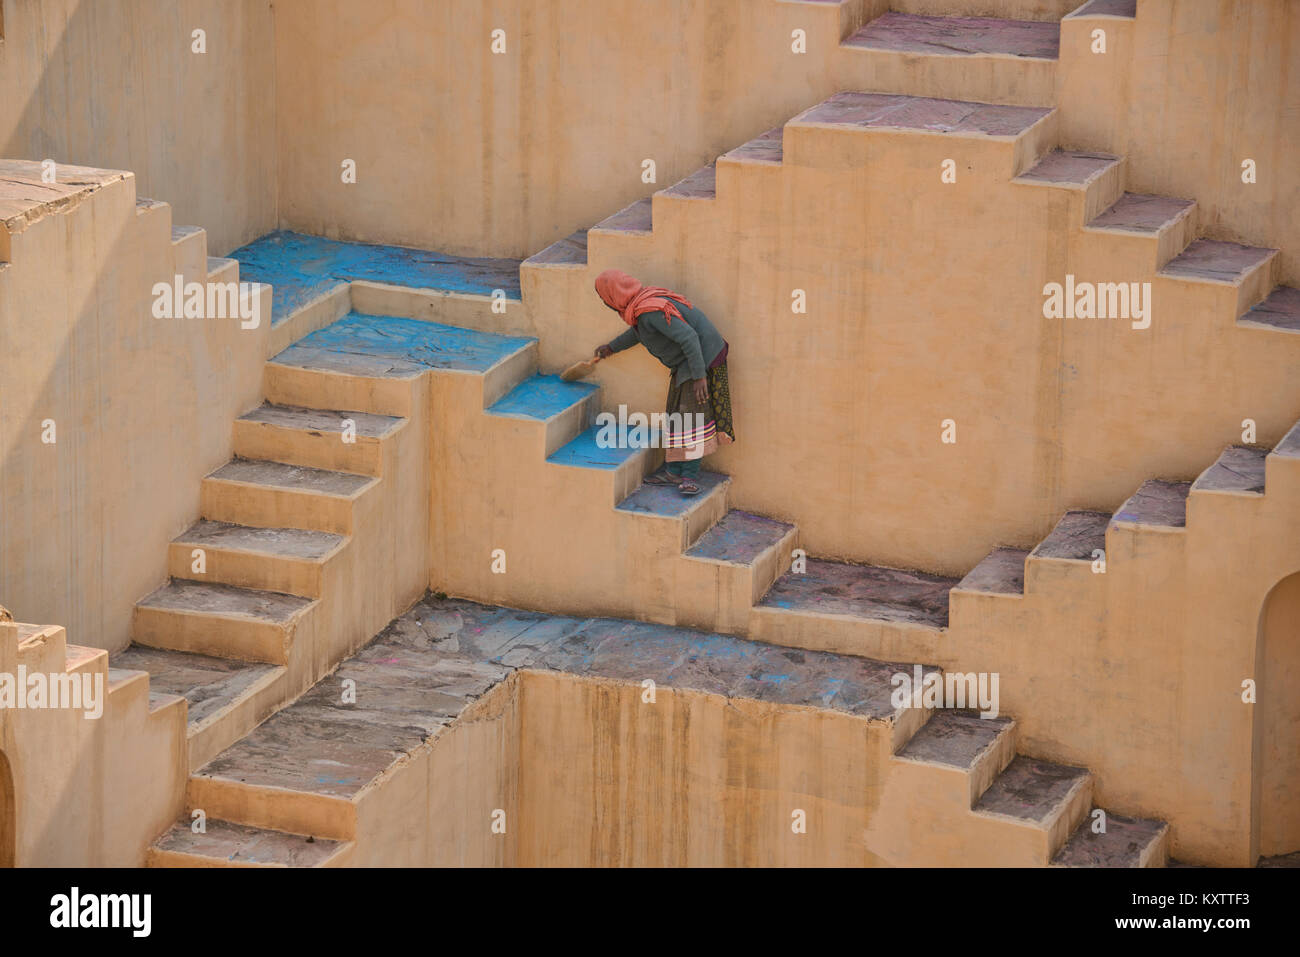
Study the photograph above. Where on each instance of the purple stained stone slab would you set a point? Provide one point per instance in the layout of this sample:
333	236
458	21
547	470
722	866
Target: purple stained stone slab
959	36
1216	261
1141	213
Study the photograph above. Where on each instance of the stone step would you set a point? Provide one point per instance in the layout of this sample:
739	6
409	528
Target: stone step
289	560
220	620
563	409
222	270
1139	213
569	252
1001	572
394	347
864	592
190	253
1098	176
1050	798
1238	469
1289	447
1209	260
892	111
1140	220
959	36
730	567
1125	9
237	845
702	184
765	149
625	467
279	495
372	363
79	659
315	437
304	769
1157	504
127	686
1127	842
1076	536
1052	10
740	538
636	218
225	698
960	740
1280	311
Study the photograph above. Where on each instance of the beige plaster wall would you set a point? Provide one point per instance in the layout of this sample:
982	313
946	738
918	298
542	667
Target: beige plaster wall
141	407
114	84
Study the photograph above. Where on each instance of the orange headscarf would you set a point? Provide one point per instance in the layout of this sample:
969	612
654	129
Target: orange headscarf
626	296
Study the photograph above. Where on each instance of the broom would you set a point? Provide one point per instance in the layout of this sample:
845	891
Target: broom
579	370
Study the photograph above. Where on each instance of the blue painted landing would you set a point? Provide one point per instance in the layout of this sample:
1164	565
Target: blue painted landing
301	268
391	347
541	397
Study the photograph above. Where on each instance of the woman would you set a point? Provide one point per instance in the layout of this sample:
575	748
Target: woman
683	339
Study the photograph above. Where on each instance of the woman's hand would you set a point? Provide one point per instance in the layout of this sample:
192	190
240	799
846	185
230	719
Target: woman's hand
701	390
603	352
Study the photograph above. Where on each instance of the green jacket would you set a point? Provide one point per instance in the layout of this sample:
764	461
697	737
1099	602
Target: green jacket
685	347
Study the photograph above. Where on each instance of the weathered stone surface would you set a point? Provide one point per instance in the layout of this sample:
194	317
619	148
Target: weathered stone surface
1002	572
1157	503
1030	789
300	477
1070	167
864	591
954	738
282	542
959	36
702	184
569	251
667	501
240	844
767	147
739	538
1281	310
208	684
367	424
1238	469
1135	212
1216	261
893	111
1076	536
1122	845
635	218
225	600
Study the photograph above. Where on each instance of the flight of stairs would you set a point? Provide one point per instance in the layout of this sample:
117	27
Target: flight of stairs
324	781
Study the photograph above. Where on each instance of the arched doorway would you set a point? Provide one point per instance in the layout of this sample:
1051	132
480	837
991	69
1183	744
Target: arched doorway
1277	720
8	817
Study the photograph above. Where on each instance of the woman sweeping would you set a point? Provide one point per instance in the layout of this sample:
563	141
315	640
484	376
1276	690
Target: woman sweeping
683	339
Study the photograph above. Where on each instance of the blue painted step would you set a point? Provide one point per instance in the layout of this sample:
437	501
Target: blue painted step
391	347
541	397
586	452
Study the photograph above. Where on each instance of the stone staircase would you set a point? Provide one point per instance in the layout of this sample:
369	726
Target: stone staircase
326	782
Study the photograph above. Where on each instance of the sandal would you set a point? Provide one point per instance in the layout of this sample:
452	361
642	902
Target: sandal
662	477
687	487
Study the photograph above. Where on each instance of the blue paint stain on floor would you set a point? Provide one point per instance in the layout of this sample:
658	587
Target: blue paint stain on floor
587	451
541	397
301	268
391	347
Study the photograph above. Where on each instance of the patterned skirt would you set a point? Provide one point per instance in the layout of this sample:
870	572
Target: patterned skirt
694	429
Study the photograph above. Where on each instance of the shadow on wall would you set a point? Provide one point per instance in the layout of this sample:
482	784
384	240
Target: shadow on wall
117	84
8	816
1277	720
